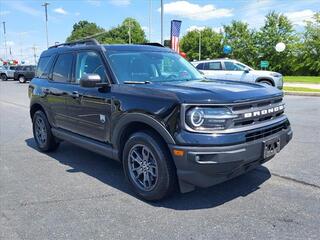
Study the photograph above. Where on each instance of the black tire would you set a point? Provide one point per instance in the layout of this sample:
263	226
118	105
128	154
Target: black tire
21	79
266	82
166	180
4	77
47	142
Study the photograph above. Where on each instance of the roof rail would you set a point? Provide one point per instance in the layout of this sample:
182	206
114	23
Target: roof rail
89	41
153	44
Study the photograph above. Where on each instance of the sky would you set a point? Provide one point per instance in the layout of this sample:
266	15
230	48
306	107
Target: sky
25	20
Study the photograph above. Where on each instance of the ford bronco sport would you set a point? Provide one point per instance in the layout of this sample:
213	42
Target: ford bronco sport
149	108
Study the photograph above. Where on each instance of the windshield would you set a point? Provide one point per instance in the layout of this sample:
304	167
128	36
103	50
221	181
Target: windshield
151	67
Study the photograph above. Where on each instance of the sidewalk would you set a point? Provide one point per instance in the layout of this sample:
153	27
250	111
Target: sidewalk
303	85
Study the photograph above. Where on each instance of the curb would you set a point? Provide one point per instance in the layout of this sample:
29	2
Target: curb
309	94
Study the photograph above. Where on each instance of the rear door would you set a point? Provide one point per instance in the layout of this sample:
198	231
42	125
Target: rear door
89	108
234	71
59	83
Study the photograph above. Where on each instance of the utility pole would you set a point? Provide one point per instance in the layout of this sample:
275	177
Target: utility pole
199	44
45	5
150	18
34	54
5	39
162	22
129	32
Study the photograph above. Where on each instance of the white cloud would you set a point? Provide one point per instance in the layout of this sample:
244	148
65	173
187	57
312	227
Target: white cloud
195	11
4	13
145	28
198	28
120	2
95	3
60	11
22	7
254	12
300	17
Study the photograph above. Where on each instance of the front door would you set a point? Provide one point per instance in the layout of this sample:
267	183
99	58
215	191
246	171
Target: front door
89	108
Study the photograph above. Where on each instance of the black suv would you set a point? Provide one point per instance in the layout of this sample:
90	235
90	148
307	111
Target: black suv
24	73
149	108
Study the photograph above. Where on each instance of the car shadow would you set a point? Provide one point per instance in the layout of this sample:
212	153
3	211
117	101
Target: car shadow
110	172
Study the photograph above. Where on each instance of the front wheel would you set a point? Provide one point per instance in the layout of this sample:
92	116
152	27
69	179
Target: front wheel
22	79
42	134
148	166
266	82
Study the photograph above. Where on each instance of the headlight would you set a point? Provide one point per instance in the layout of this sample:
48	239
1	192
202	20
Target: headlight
274	74
207	118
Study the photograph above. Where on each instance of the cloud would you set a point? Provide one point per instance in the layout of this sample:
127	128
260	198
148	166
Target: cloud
95	3
60	11
198	28
192	11
4	13
77	13
300	17
120	2
22	7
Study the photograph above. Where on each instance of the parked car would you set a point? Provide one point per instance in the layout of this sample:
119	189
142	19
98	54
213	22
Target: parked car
229	69
150	109
25	73
7	72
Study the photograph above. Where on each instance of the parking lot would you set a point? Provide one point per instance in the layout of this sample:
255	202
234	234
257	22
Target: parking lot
75	194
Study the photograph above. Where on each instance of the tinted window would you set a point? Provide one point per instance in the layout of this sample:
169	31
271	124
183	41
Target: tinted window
13	68
89	62
214	66
200	66
62	68
44	66
231	66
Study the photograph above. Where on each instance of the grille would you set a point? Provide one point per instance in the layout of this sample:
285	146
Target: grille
266	132
261	111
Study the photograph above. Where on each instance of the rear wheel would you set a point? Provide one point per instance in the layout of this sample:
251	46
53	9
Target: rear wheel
46	142
148	166
22	79
4	77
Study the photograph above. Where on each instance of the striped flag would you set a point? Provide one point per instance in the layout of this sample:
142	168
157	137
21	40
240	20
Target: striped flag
175	32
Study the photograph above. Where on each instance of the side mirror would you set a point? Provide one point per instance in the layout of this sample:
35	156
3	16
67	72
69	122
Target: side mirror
90	80
246	70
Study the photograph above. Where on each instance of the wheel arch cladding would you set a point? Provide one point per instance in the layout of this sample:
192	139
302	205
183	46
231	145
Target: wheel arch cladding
266	79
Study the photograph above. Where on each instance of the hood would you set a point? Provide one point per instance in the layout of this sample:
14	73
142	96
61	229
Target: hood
211	91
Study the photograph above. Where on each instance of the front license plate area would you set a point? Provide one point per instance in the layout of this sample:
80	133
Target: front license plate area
271	147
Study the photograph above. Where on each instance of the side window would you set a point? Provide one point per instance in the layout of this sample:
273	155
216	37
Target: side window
89	62
62	68
200	66
230	66
43	67
214	66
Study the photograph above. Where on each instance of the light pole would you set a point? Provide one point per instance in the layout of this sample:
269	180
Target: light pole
162	22
199	45
129	31
5	38
45	5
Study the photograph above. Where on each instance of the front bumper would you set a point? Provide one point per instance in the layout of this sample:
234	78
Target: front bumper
206	166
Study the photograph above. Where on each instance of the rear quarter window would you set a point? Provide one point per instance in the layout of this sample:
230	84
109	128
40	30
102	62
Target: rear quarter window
44	66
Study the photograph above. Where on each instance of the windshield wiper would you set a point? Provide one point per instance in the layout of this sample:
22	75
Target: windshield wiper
136	82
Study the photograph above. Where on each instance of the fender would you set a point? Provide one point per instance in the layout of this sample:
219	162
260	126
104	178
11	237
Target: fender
266	78
142	118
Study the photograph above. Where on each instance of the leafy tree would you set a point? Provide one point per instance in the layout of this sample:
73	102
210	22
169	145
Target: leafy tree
277	28
210	44
242	40
84	29
311	48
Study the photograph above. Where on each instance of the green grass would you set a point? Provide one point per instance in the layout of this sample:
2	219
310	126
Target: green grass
300	89
302	79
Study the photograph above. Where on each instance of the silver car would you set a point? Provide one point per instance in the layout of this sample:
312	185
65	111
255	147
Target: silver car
7	72
229	69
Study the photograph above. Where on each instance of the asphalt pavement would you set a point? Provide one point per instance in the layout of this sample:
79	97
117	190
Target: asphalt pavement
75	194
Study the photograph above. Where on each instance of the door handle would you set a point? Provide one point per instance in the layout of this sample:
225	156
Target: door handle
75	94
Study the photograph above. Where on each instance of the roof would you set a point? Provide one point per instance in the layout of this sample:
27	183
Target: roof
108	47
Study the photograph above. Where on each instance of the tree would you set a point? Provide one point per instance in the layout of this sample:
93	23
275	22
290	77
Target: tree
242	40
120	34
277	28
311	47
210	44
84	29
